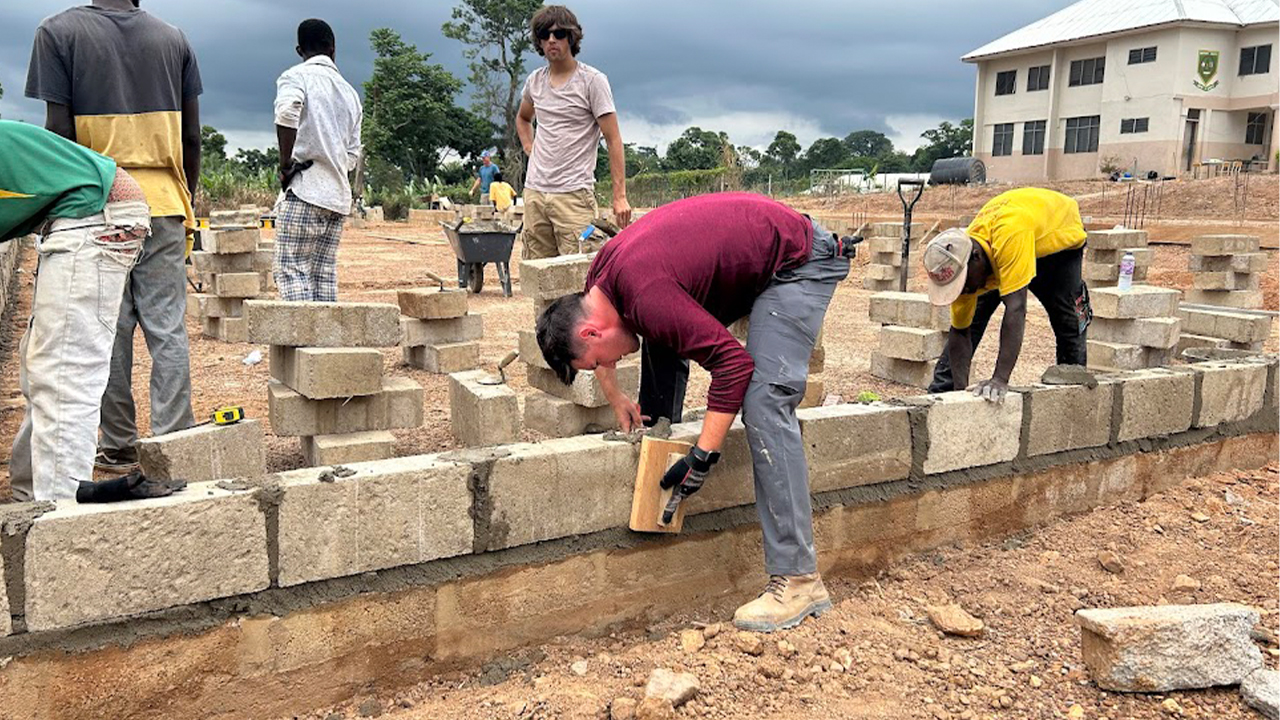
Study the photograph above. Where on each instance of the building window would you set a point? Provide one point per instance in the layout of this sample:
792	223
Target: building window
1255	60
1137	56
1002	141
1082	134
1133	125
1038	78
1087	72
1255	130
1033	137
1006	82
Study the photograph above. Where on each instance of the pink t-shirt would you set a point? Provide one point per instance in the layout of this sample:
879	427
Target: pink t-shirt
567	134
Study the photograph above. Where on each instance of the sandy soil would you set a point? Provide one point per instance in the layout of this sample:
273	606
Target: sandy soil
1026	666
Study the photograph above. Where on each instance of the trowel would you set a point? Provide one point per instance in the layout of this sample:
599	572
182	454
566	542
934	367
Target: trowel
501	377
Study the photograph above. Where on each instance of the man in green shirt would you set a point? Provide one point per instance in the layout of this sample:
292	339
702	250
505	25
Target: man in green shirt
92	219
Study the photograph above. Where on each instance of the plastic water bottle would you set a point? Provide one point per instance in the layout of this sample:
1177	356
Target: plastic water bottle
1126	271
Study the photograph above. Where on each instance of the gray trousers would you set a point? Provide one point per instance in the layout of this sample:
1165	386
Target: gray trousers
155	298
785	321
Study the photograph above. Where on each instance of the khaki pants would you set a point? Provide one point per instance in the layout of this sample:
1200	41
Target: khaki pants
553	223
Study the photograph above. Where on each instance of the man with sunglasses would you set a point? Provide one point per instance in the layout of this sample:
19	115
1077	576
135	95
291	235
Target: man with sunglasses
573	104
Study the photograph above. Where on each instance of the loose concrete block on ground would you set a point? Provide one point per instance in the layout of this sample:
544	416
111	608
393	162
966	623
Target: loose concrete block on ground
550	278
224	242
557	417
1226	324
1229	391
90	563
881	272
481	414
237	285
1140	301
586	389
390	513
1159	332
444	358
1261	691
324	373
202	305
966	431
397	405
1224	244
908	309
1170	647
906	372
1154	403
907	343
415	332
1239	299
207	452
348	448
1067	417
851	445
240	218
226	329
433	303
316	324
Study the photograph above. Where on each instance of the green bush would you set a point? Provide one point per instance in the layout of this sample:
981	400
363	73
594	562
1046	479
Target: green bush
459	194
395	206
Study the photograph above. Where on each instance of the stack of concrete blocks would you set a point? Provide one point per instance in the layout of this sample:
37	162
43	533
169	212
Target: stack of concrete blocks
1226	328
437	333
1133	329
883	241
1225	270
913	333
472	213
555	409
233	266
327	385
1106	248
815	389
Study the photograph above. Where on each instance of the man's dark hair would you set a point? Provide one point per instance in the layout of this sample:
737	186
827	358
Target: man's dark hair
561	17
497	176
557	335
315	37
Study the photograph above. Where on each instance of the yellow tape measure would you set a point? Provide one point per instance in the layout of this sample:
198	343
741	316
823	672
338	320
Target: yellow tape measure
227	415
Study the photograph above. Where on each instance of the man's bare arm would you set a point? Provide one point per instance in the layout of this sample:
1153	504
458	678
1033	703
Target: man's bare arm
58	119
959	354
715	426
617	167
1012	328
191	144
524	126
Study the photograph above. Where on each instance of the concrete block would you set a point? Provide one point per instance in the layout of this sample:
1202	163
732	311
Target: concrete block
1240	299
237	285
1188	340
1224	281
226	329
1105	355
349	448
1234	326
242	218
1067	417
1224	244
560	488
851	445
1100	272
415	332
202	305
906	372
585	390
324	373
1140	301
529	350
818	360
1229	391
224	242
1169	647
212	263
1115	239
815	391
1148	332
1240	263
433	303
1261	691
1154	403
887	258
90	563
548	279
883	244
207	452
444	358
397	405
316	324
481	414
908	309
907	343
881	272
966	431
390	513
878	285
556	417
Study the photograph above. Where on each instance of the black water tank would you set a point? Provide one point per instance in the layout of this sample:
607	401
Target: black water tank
957	171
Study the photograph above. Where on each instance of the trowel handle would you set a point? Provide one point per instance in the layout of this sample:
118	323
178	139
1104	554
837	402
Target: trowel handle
432	276
510	358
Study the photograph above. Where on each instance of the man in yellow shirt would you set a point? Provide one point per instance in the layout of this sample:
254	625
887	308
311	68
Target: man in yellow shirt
1025	239
501	193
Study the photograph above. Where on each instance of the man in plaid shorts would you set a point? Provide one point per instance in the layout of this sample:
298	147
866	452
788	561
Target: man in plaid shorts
318	119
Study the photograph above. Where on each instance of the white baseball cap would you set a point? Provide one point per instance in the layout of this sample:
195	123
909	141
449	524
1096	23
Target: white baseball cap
946	262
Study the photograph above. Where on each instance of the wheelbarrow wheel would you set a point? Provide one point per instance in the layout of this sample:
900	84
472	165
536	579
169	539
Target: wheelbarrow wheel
476	281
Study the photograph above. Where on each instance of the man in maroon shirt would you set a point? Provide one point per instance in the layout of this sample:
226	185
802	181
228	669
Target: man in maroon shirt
676	278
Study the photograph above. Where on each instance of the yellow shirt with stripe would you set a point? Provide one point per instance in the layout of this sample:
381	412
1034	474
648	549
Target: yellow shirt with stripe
1016	228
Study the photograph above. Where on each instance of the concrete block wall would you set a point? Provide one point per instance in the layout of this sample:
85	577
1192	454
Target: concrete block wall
949	460
913	334
1225	271
1133	329
233	266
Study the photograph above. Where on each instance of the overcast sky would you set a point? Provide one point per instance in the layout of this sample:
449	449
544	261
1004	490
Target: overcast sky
817	68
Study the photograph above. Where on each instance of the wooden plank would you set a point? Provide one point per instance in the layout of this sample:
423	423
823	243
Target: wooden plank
649	498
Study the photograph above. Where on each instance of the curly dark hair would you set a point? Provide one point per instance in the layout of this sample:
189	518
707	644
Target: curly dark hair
561	17
556	338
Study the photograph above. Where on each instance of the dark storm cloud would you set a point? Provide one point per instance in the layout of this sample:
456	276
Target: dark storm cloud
749	67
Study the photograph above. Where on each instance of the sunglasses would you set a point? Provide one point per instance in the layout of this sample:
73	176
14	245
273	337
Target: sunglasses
559	33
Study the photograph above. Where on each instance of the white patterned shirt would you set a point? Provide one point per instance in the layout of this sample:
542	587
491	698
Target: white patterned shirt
315	99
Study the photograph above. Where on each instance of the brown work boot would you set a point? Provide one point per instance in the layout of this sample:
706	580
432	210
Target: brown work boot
786	601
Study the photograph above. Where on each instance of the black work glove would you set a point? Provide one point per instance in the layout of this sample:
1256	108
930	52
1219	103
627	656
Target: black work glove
686	476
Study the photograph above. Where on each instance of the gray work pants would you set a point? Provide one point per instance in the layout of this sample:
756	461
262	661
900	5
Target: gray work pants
785	321
155	298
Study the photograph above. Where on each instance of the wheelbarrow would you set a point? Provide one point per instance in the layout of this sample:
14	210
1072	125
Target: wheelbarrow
477	244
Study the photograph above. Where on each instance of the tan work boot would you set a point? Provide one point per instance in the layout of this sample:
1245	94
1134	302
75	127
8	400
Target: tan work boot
786	601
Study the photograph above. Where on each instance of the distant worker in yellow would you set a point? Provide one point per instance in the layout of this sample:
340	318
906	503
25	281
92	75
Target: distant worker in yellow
501	193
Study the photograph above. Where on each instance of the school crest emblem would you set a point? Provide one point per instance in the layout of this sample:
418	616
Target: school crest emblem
1207	70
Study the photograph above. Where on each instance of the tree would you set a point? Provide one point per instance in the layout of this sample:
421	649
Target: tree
749	157
784	149
944	141
696	149
255	161
410	115
496	33
826	153
867	143
213	147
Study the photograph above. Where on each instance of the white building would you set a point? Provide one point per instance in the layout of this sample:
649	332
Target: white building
1149	84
